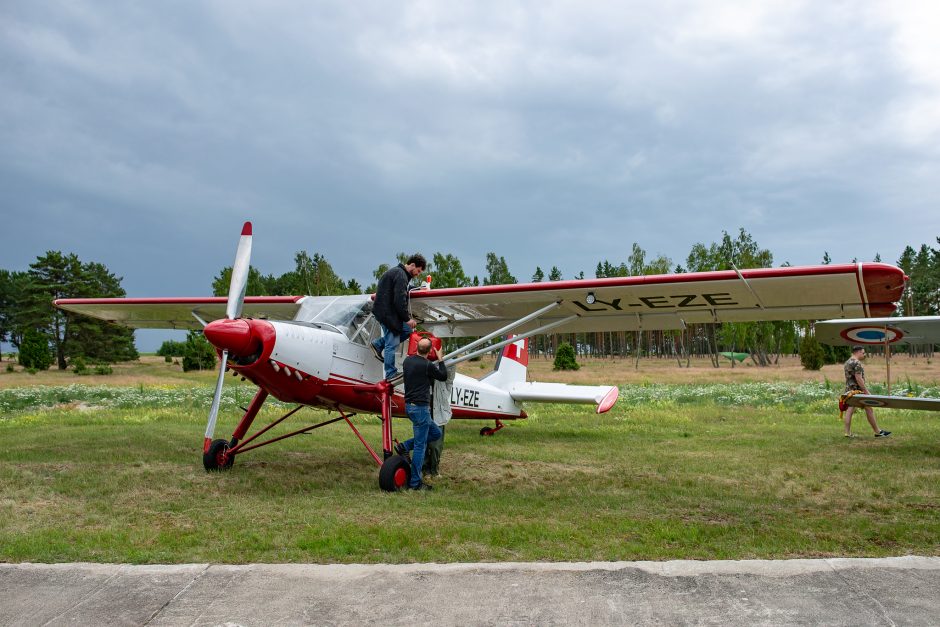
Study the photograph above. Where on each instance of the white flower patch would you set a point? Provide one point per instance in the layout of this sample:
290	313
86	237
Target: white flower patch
757	394
13	400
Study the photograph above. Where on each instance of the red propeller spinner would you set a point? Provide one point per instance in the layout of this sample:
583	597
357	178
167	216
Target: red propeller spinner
239	337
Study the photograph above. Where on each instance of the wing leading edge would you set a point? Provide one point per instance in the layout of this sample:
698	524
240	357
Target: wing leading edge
178	313
668	301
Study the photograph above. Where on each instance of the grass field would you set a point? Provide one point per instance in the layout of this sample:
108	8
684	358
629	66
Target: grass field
691	463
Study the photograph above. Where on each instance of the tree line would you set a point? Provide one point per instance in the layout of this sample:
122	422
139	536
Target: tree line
45	335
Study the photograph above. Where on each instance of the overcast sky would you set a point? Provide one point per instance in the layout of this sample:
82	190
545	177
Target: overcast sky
142	134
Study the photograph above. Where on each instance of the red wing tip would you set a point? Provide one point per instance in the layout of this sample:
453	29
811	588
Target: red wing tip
246	230
608	401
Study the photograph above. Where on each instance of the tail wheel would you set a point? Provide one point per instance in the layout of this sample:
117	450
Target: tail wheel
217	457
394	474
487	431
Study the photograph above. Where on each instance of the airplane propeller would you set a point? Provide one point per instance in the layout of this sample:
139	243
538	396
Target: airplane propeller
233	310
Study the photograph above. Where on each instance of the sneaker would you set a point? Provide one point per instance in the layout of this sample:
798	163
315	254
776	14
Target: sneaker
421	486
882	434
378	353
850	435
395	375
400	449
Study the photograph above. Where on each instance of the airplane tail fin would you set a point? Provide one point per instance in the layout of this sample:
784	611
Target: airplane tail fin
510	374
511	365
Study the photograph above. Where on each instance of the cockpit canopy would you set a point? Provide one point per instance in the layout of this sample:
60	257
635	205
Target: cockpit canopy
349	315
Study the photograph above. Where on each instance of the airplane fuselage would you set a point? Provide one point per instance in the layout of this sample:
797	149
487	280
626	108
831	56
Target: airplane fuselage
306	364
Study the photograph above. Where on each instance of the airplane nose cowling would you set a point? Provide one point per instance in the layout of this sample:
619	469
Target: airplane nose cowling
235	336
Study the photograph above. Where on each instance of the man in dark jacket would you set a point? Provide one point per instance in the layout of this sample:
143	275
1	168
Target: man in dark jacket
391	310
419	373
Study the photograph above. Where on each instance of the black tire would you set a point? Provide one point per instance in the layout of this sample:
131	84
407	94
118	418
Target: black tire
215	459
486	431
394	474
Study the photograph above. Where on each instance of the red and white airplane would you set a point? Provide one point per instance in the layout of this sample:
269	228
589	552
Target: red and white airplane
315	350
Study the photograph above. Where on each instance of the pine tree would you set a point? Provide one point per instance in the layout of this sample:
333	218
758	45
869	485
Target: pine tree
812	354
497	271
57	275
565	358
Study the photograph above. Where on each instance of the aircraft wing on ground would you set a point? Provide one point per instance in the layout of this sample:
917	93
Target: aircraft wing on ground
892	402
178	313
866	331
664	301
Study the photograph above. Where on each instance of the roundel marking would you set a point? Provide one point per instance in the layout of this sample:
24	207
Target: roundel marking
871	335
872	403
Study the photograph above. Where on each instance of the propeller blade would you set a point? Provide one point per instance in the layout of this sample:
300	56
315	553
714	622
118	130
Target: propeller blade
216	398
236	291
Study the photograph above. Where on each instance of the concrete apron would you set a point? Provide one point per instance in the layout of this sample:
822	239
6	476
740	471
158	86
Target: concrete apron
901	590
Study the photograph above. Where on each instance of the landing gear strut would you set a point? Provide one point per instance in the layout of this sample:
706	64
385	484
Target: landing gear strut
492	430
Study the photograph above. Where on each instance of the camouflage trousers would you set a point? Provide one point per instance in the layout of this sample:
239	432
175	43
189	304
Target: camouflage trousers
432	456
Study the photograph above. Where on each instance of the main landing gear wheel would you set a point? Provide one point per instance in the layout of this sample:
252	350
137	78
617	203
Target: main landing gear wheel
394	474
217	457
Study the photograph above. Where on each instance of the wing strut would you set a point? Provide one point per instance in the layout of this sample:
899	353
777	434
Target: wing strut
515	338
749	288
506	329
452	359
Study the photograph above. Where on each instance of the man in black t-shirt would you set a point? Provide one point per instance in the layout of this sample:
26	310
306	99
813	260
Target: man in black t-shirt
418	373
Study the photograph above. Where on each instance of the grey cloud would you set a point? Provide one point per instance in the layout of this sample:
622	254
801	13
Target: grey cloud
553	133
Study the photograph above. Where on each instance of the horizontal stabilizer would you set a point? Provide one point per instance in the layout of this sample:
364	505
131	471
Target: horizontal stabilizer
604	396
893	402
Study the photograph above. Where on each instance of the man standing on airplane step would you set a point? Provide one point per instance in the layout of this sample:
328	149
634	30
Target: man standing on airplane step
391	310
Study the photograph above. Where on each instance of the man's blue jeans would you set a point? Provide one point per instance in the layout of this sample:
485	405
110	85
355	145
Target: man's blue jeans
388	343
425	431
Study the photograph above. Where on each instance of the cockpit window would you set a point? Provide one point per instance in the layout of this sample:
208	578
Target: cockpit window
347	315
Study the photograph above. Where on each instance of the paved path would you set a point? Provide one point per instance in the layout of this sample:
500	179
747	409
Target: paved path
891	591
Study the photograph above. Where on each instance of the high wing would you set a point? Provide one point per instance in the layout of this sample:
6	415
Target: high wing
178	313
905	330
668	301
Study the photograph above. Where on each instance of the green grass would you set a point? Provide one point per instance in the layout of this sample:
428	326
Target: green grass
671	472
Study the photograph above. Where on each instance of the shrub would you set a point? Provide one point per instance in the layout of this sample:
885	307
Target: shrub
103	369
79	366
812	354
168	359
836	354
565	358
10	368
34	351
199	353
172	348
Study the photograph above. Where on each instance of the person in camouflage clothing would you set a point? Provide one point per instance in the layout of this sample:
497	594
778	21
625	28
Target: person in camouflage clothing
855	382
